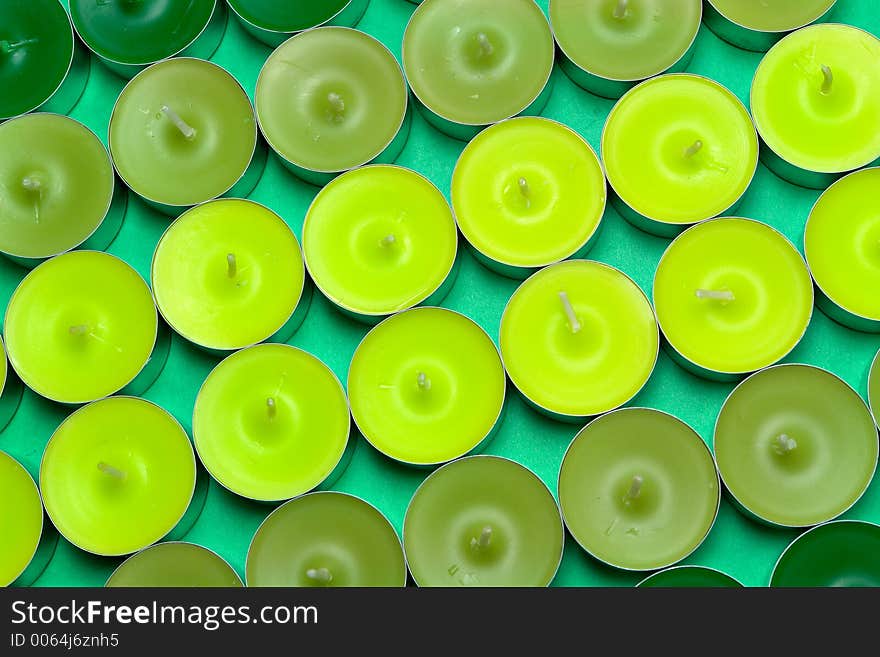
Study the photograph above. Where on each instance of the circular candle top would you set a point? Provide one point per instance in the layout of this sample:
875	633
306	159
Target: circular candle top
379	239
687	169
528	192
732	295
117	475
816	98
625	39
338	106
689	577
289	16
228	274
842	243
21	519
56	181
36	50
326	539
80	326
772	15
3	366
638	489
472	64
182	131
874	388
139	32
795	445
426	386
271	422
579	338
840	553
174	565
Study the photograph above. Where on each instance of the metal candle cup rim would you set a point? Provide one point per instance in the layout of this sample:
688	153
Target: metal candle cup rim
495	421
415	303
497	458
283	500
43	511
110	394
779	32
717	496
636	79
182	513
153	267
725	90
537	95
572	416
163	62
688	566
328	492
149	547
372	157
774	523
601	213
737	373
231	4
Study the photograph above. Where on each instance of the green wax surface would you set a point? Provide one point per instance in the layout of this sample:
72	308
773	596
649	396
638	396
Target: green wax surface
772	15
21	518
174	565
289	15
874	388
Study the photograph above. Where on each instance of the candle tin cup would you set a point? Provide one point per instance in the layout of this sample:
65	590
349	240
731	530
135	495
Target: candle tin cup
874	388
608	47
274	22
690	577
758	25
174	564
10	389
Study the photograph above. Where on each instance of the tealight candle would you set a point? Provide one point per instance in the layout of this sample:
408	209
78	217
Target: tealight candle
732	296
795	445
10	390
841	553
273	22
815	98
228	274
41	65
271	422
638	489
58	187
578	339
343	104
326	539
842	246
21	519
483	521
182	132
426	386
667	176
471	65
758	25
874	388
609	45
689	577
128	35
528	192
176	565
82	326
380	239
117	476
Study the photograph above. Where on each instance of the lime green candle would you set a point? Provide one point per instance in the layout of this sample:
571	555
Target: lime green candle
578	339
426	386
670	175
795	445
182	132
874	388
608	45
732	296
758	25
175	565
271	422
690	577
528	192
80	327
228	274
10	390
326	539
471	65
21	519
483	521
272	22
638	489
117	476
380	239
815	98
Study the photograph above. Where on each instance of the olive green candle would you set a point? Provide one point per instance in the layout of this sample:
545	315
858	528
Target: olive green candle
174	564
874	388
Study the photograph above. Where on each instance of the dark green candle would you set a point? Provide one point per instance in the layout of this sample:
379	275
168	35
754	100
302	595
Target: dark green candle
690	577
272	22
174	565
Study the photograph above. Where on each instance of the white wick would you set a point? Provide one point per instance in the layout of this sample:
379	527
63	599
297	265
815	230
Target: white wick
271	408
423	381
185	128
108	469
79	329
573	322
720	295
12	46
388	240
483	541
783	444
231	265
337	105
31	184
486	47
525	191
827	79
319	575
693	149
635	488
620	9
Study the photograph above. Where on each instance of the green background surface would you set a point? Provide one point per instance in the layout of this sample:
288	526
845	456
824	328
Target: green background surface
736	545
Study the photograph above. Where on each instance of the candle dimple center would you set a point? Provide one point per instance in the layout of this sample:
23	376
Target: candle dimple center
693	149
271	408
484	540
486	47
336	107
621	9
7	47
784	444
827	80
319	575
635	489
80	329
423	382
231	265
573	322
717	295
109	470
32	184
525	191
388	240
185	128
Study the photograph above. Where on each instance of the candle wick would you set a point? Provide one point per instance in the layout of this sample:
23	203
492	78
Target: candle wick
423	381
231	265
621	9
337	106
388	240
108	469
32	184
271	408
80	329
185	128
783	444
693	149
573	322
7	47
525	191
319	575
482	542
827	79
635	489
486	47
719	295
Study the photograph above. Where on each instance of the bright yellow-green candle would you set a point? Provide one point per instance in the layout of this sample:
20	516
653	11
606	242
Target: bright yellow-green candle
271	422
228	274
117	476
732	296
670	174
758	25
10	390
380	239
426	386
528	192
21	519
80	327
174	564
579	338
